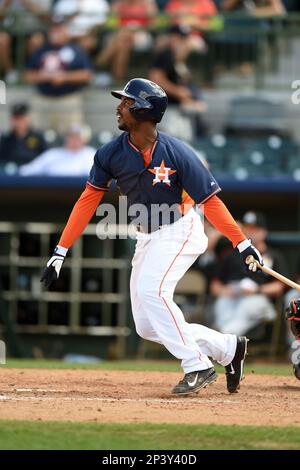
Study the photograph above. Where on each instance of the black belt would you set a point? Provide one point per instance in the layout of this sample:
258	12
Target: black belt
146	228
142	229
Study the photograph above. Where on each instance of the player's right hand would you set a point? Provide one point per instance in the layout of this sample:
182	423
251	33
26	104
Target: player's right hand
246	249
54	265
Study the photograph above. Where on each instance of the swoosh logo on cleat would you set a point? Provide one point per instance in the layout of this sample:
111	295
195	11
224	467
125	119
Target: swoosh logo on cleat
192	384
232	371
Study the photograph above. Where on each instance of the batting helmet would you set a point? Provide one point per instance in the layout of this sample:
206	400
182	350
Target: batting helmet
150	100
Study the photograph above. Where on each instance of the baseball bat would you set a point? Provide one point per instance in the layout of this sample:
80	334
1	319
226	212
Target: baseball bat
271	272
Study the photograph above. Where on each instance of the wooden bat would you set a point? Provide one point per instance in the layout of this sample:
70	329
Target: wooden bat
271	272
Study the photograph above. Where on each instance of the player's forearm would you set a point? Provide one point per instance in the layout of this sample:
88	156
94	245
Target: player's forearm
219	216
80	216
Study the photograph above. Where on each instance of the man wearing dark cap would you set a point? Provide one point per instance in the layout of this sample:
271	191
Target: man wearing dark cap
59	70
22	143
244	300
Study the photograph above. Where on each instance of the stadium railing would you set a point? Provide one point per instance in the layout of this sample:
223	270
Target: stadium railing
232	39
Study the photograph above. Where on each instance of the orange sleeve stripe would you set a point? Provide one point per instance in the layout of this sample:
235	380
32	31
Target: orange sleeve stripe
219	216
96	187
210	196
80	216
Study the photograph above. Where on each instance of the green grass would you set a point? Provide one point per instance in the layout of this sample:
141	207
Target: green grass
54	435
163	366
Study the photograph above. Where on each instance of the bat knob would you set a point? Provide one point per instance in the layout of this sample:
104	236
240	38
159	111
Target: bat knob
250	259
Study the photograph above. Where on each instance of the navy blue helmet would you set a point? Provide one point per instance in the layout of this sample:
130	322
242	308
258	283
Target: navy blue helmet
150	100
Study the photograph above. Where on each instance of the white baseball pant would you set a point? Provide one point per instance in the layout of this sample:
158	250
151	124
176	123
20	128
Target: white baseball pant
161	258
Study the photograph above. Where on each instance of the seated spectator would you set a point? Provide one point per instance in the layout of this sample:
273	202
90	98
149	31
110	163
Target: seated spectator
75	158
22	143
133	16
59	70
241	48
170	71
30	15
84	18
244	300
259	8
194	14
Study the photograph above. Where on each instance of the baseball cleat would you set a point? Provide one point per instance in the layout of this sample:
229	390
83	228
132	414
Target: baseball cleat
193	381
235	370
296	368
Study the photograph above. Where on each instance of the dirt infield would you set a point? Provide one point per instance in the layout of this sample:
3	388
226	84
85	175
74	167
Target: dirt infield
131	397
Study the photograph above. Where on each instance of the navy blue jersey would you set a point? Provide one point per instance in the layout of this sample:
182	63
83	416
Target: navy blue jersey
69	57
174	170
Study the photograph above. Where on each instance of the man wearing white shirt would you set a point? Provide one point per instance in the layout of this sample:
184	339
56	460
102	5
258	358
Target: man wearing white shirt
73	159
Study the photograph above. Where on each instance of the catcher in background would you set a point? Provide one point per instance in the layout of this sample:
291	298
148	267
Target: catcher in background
293	316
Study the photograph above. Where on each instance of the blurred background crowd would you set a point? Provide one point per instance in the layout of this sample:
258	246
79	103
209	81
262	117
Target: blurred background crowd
230	69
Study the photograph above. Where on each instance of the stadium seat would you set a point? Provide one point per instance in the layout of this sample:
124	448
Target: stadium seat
217	150
53	139
257	113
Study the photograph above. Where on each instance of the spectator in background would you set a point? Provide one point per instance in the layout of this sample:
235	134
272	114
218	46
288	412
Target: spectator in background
73	159
133	17
257	8
196	14
85	16
22	143
59	70
244	300
170	71
24	18
239	49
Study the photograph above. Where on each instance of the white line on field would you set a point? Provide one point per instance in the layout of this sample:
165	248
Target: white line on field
117	400
39	390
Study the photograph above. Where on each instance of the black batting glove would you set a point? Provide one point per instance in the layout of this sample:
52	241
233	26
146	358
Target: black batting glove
247	249
54	265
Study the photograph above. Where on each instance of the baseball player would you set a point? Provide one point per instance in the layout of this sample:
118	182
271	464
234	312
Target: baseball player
152	168
292	314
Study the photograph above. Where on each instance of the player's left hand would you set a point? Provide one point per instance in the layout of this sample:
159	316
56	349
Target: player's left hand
247	249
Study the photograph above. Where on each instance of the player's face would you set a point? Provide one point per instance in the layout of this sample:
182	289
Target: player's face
125	119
